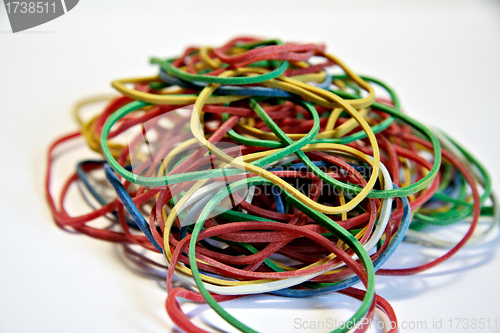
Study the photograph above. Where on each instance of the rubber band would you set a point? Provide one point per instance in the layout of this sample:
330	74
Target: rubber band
248	168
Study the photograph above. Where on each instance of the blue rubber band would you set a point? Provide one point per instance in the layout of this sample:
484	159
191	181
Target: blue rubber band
83	176
236	90
277	199
129	205
377	264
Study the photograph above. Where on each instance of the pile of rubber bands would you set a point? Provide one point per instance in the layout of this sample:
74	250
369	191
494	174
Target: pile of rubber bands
267	167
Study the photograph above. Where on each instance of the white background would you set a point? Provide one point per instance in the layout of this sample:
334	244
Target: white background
442	57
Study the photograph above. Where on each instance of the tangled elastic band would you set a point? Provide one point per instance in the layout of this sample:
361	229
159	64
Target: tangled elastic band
268	167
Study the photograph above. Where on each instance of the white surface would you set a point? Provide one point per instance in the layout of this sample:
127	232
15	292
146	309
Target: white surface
442	57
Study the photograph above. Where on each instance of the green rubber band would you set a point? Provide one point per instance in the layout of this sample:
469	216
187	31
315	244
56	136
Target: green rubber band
173	179
286	140
457	215
345	140
320	218
189	176
174	71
